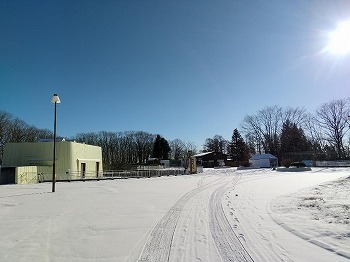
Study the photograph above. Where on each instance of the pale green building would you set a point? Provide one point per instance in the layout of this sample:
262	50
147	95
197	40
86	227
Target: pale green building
73	160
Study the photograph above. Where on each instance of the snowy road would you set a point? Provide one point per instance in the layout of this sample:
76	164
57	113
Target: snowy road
219	215
179	240
229	219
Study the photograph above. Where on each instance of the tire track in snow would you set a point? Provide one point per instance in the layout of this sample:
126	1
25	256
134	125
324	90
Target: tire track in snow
158	245
257	234
227	242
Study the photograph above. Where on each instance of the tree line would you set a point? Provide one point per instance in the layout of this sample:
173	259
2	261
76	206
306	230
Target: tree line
119	149
283	132
290	133
13	129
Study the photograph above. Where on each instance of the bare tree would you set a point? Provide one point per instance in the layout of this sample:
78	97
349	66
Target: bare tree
264	129
190	147
120	148
297	116
217	144
177	147
5	122
16	130
332	117
314	133
144	144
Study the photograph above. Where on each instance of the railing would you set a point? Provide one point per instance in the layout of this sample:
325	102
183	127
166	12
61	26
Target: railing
143	173
111	174
27	178
33	177
337	163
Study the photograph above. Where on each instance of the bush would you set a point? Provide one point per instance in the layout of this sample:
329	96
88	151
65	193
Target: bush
231	163
246	164
298	164
286	162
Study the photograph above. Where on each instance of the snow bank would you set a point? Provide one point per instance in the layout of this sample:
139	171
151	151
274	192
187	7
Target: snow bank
320	215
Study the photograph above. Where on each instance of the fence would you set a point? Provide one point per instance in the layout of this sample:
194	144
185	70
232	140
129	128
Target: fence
112	174
33	177
143	173
27	178
338	163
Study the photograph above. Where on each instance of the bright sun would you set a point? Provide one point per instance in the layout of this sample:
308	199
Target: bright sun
339	39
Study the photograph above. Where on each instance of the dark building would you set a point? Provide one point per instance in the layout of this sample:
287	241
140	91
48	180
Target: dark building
211	159
7	175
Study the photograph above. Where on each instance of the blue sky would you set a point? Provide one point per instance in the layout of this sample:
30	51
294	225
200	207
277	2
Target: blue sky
182	69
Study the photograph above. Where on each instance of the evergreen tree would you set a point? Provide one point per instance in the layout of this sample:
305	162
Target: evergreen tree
239	150
293	138
161	148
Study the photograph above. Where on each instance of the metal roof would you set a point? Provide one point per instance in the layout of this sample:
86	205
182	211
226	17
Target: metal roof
263	156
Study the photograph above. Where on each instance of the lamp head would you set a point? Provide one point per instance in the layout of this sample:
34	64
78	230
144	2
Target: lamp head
55	99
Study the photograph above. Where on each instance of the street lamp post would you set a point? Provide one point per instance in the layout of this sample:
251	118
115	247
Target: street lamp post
55	100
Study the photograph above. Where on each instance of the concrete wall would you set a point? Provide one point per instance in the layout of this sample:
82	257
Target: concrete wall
26	175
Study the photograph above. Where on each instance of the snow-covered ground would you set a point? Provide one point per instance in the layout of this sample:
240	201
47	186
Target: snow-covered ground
219	215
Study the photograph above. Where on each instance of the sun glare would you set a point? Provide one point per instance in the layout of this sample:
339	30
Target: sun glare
339	39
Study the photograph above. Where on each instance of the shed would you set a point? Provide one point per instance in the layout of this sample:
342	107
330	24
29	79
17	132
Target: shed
73	160
211	159
264	160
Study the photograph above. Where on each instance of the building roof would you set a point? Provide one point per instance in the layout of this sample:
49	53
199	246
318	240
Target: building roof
263	156
203	154
208	153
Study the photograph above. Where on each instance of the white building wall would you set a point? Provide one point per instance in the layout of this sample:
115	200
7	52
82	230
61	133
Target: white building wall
70	156
260	163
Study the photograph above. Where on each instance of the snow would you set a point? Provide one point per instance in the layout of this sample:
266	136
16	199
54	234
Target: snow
218	215
327	206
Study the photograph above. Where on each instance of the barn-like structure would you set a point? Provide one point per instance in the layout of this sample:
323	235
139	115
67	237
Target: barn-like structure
211	159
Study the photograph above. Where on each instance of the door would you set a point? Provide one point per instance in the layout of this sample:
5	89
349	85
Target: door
97	168
83	169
